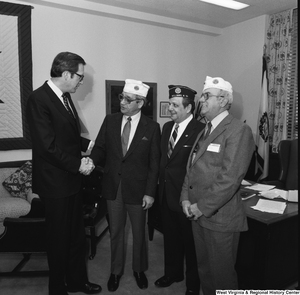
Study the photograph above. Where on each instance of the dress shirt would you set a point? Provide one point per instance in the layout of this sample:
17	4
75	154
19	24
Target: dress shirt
181	128
217	120
134	123
59	94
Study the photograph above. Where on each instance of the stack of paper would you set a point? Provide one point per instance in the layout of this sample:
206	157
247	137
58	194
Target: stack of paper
270	206
291	195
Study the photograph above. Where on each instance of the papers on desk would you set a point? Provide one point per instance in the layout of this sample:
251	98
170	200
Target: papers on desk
270	206
245	182
260	187
291	195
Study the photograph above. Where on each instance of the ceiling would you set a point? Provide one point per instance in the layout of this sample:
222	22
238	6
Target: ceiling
202	13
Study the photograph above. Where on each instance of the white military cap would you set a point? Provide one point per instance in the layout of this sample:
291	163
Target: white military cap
136	87
218	83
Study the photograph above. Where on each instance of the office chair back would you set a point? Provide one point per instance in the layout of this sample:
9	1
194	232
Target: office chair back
288	156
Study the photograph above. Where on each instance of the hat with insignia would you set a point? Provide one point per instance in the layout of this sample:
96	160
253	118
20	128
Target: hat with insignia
183	91
136	87
218	83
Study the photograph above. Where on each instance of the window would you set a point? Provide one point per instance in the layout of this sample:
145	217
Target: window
292	95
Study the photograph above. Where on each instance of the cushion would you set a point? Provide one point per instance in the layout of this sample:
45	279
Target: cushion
19	183
13	207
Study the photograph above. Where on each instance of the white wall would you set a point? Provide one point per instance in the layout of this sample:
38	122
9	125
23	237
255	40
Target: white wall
238	59
116	49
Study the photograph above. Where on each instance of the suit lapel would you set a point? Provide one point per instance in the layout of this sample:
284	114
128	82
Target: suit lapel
189	130
165	139
60	107
116	127
139	135
216	132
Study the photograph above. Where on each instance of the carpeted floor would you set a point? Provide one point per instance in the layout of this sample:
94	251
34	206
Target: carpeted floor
98	269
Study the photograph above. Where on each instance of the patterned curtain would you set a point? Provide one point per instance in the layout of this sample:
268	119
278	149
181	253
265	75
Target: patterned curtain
277	52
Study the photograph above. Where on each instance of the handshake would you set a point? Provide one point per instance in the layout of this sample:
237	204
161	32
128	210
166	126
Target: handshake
86	166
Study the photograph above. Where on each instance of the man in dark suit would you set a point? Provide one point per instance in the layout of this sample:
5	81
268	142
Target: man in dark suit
211	191
128	142
178	237
56	156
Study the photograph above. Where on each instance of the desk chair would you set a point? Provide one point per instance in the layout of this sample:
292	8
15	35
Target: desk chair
288	160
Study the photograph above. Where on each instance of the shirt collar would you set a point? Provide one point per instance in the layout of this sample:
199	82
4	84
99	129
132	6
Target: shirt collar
218	119
55	89
183	124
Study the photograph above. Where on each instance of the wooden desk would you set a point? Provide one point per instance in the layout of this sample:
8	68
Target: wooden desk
268	251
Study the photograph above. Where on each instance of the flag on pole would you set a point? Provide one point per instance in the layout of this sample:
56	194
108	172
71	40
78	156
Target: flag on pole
262	134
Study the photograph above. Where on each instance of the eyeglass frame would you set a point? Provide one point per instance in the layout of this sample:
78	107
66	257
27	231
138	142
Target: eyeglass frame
81	77
208	95
122	97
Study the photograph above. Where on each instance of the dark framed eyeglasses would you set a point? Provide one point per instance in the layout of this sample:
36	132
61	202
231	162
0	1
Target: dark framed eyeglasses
80	76
126	98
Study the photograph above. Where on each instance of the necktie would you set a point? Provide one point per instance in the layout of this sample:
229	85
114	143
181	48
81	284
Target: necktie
125	135
66	103
202	138
207	130
172	140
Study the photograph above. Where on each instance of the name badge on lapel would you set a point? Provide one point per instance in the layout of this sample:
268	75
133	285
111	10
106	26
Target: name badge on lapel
214	147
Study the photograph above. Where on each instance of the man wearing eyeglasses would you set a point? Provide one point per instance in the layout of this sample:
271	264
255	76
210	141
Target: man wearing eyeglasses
129	144
57	164
210	195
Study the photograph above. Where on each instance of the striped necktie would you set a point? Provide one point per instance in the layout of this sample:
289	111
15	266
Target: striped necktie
66	103
125	135
172	140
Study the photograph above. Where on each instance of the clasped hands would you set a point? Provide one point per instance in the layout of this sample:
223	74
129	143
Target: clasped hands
86	166
191	211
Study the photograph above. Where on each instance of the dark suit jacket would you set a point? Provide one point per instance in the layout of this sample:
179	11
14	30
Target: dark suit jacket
56	145
213	180
172	170
138	170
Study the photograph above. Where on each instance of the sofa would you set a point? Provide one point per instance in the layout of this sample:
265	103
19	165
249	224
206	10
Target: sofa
16	197
22	223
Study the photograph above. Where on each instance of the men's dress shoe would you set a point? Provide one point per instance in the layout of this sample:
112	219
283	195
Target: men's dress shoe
191	292
87	288
113	282
141	279
167	281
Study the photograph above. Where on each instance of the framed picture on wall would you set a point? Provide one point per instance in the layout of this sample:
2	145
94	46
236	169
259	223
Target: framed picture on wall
164	109
15	75
115	87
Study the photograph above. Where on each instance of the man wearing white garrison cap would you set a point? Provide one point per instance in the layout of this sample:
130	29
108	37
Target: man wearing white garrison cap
129	144
210	195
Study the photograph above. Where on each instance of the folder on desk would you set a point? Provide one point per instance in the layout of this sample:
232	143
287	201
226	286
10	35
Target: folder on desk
290	196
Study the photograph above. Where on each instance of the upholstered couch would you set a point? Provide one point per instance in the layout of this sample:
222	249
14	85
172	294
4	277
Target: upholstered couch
16	197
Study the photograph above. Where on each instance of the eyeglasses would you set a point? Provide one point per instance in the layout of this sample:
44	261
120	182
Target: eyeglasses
127	99
207	96
80	76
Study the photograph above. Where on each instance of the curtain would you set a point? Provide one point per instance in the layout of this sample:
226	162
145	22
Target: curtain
277	52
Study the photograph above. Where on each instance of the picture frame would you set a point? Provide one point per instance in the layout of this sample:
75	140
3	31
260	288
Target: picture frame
164	109
115	87
12	106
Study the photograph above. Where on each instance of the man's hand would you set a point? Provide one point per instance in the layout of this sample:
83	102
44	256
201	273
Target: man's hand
147	202
185	208
87	166
194	212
